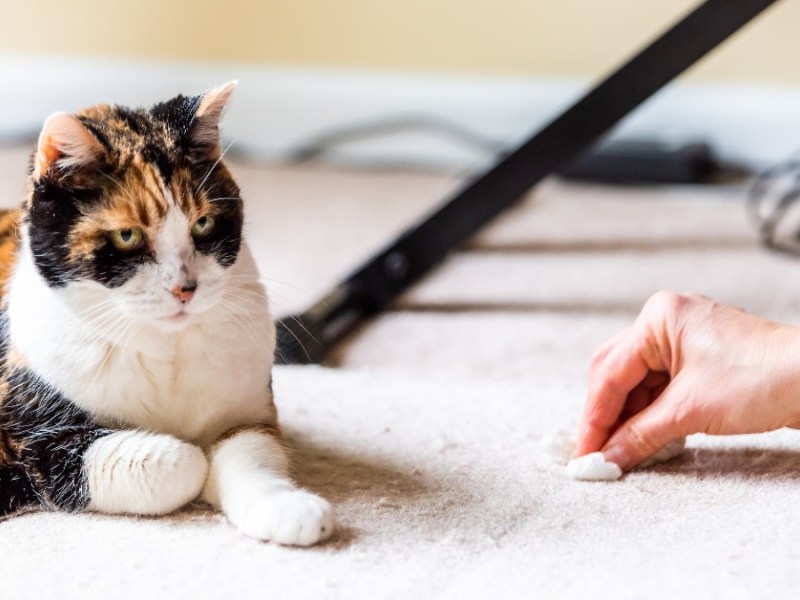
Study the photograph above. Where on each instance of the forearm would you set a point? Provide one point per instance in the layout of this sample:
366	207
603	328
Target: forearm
243	462
249	480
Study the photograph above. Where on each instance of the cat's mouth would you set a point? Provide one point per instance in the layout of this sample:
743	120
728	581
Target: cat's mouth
179	317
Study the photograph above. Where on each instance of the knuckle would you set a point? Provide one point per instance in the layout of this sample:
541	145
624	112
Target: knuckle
696	296
598	354
602	351
642	442
667	302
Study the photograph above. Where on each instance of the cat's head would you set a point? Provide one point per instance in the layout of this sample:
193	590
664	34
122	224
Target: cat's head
136	208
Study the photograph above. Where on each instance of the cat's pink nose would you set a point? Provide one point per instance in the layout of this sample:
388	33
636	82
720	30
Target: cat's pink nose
184	293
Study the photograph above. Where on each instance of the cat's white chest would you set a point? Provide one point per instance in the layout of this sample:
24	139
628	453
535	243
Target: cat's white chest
195	383
195	386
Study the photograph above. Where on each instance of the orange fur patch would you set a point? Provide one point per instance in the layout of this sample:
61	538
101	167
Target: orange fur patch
9	240
139	201
271	429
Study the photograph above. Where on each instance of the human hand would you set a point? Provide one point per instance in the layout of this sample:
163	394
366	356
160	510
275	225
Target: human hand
689	365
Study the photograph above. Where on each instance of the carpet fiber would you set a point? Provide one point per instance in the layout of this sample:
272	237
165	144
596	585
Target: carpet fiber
425	428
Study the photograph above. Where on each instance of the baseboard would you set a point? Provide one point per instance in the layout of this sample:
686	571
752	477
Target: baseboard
278	110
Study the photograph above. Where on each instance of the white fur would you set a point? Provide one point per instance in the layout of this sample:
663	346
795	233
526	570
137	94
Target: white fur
249	480
143	473
136	357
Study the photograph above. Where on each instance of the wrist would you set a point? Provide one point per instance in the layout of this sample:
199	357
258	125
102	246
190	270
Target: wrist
785	392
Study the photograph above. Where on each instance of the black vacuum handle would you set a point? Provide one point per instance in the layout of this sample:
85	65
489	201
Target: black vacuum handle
307	337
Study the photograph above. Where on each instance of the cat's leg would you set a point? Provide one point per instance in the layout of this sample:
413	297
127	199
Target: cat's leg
142	473
77	465
249	480
133	472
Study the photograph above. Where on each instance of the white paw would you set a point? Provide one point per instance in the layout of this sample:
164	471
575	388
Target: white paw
287	516
143	473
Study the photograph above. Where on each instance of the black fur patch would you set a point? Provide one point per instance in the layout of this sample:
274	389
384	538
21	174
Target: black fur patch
152	151
226	238
17	489
49	435
97	132
178	114
113	267
223	193
54	211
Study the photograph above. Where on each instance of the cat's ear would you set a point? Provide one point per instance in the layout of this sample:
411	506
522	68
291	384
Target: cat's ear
65	146
204	131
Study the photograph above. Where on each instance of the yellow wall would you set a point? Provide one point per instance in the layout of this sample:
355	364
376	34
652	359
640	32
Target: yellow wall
469	36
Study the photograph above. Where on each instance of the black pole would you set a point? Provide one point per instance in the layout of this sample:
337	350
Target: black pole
307	337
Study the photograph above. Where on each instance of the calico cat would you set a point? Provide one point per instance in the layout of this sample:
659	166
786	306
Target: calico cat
136	342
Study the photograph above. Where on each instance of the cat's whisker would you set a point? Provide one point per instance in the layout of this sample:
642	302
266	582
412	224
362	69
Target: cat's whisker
251	330
113	180
244	294
236	310
264	326
90	330
299	341
251	333
277	299
263	278
304	328
113	347
259	302
256	332
85	315
89	319
96	334
253	299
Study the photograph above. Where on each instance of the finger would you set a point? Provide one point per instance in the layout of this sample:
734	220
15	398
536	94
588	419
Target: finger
648	431
603	349
611	379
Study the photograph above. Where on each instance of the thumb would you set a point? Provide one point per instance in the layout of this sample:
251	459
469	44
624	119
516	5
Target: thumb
648	431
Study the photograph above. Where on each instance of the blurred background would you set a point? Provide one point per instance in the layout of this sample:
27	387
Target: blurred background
435	83
514	37
366	114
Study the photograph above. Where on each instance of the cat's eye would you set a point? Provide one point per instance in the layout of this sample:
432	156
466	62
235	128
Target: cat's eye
203	226
127	239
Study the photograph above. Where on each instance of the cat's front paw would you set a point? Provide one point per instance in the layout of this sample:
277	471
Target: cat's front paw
289	516
143	473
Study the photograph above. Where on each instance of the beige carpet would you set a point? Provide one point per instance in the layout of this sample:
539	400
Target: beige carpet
424	431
